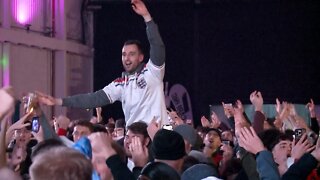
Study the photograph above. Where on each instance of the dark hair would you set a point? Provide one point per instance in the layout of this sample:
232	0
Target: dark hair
99	128
135	42
139	127
160	171
272	137
84	123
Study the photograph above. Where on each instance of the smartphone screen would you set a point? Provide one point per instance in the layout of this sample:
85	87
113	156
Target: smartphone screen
35	126
298	133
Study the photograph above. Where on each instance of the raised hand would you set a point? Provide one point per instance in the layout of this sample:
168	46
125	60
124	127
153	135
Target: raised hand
228	110
47	99
23	122
153	128
139	152
240	105
311	107
140	8
175	118
99	114
292	109
256	100
204	122
301	147
278	106
299	122
239	120
285	112
101	144
249	140
215	121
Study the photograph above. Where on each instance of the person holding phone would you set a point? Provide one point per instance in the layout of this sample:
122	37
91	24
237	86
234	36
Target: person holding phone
140	88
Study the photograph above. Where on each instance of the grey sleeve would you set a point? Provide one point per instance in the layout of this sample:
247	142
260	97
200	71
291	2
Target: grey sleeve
90	100
48	131
157	47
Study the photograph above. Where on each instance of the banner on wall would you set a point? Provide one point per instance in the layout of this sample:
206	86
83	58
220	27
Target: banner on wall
177	97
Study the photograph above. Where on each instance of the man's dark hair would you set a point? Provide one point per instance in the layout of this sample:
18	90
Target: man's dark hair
85	123
135	42
99	128
271	137
139	127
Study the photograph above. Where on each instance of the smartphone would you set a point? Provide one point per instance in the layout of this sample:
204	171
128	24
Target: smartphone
35	125
298	133
226	142
167	127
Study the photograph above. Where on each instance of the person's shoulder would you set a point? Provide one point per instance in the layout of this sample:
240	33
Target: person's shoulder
119	80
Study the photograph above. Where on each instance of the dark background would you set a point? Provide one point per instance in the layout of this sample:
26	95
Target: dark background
220	50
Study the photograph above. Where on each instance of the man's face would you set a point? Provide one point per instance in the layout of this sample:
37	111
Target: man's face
80	131
118	132
212	140
131	57
22	136
128	138
281	151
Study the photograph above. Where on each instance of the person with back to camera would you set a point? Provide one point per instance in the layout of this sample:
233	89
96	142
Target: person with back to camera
140	88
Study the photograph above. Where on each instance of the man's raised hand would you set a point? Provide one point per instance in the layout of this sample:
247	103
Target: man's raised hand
140	8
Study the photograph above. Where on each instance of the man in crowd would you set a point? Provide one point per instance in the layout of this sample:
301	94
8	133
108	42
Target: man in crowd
140	88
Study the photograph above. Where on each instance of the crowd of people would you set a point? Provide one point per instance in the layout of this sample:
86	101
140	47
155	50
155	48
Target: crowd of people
244	148
152	143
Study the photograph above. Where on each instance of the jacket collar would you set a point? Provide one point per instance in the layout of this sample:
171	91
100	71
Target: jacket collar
136	71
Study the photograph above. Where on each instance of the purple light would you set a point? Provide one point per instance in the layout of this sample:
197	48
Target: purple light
23	11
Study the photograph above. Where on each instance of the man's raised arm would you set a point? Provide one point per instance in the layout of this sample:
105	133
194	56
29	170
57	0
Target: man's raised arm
157	48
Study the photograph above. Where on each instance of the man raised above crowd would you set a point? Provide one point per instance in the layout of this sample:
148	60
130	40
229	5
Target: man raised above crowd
140	88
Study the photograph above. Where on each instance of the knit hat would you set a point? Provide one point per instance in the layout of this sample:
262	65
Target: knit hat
187	132
198	172
168	145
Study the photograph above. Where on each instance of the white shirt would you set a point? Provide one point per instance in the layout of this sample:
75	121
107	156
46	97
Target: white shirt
142	95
